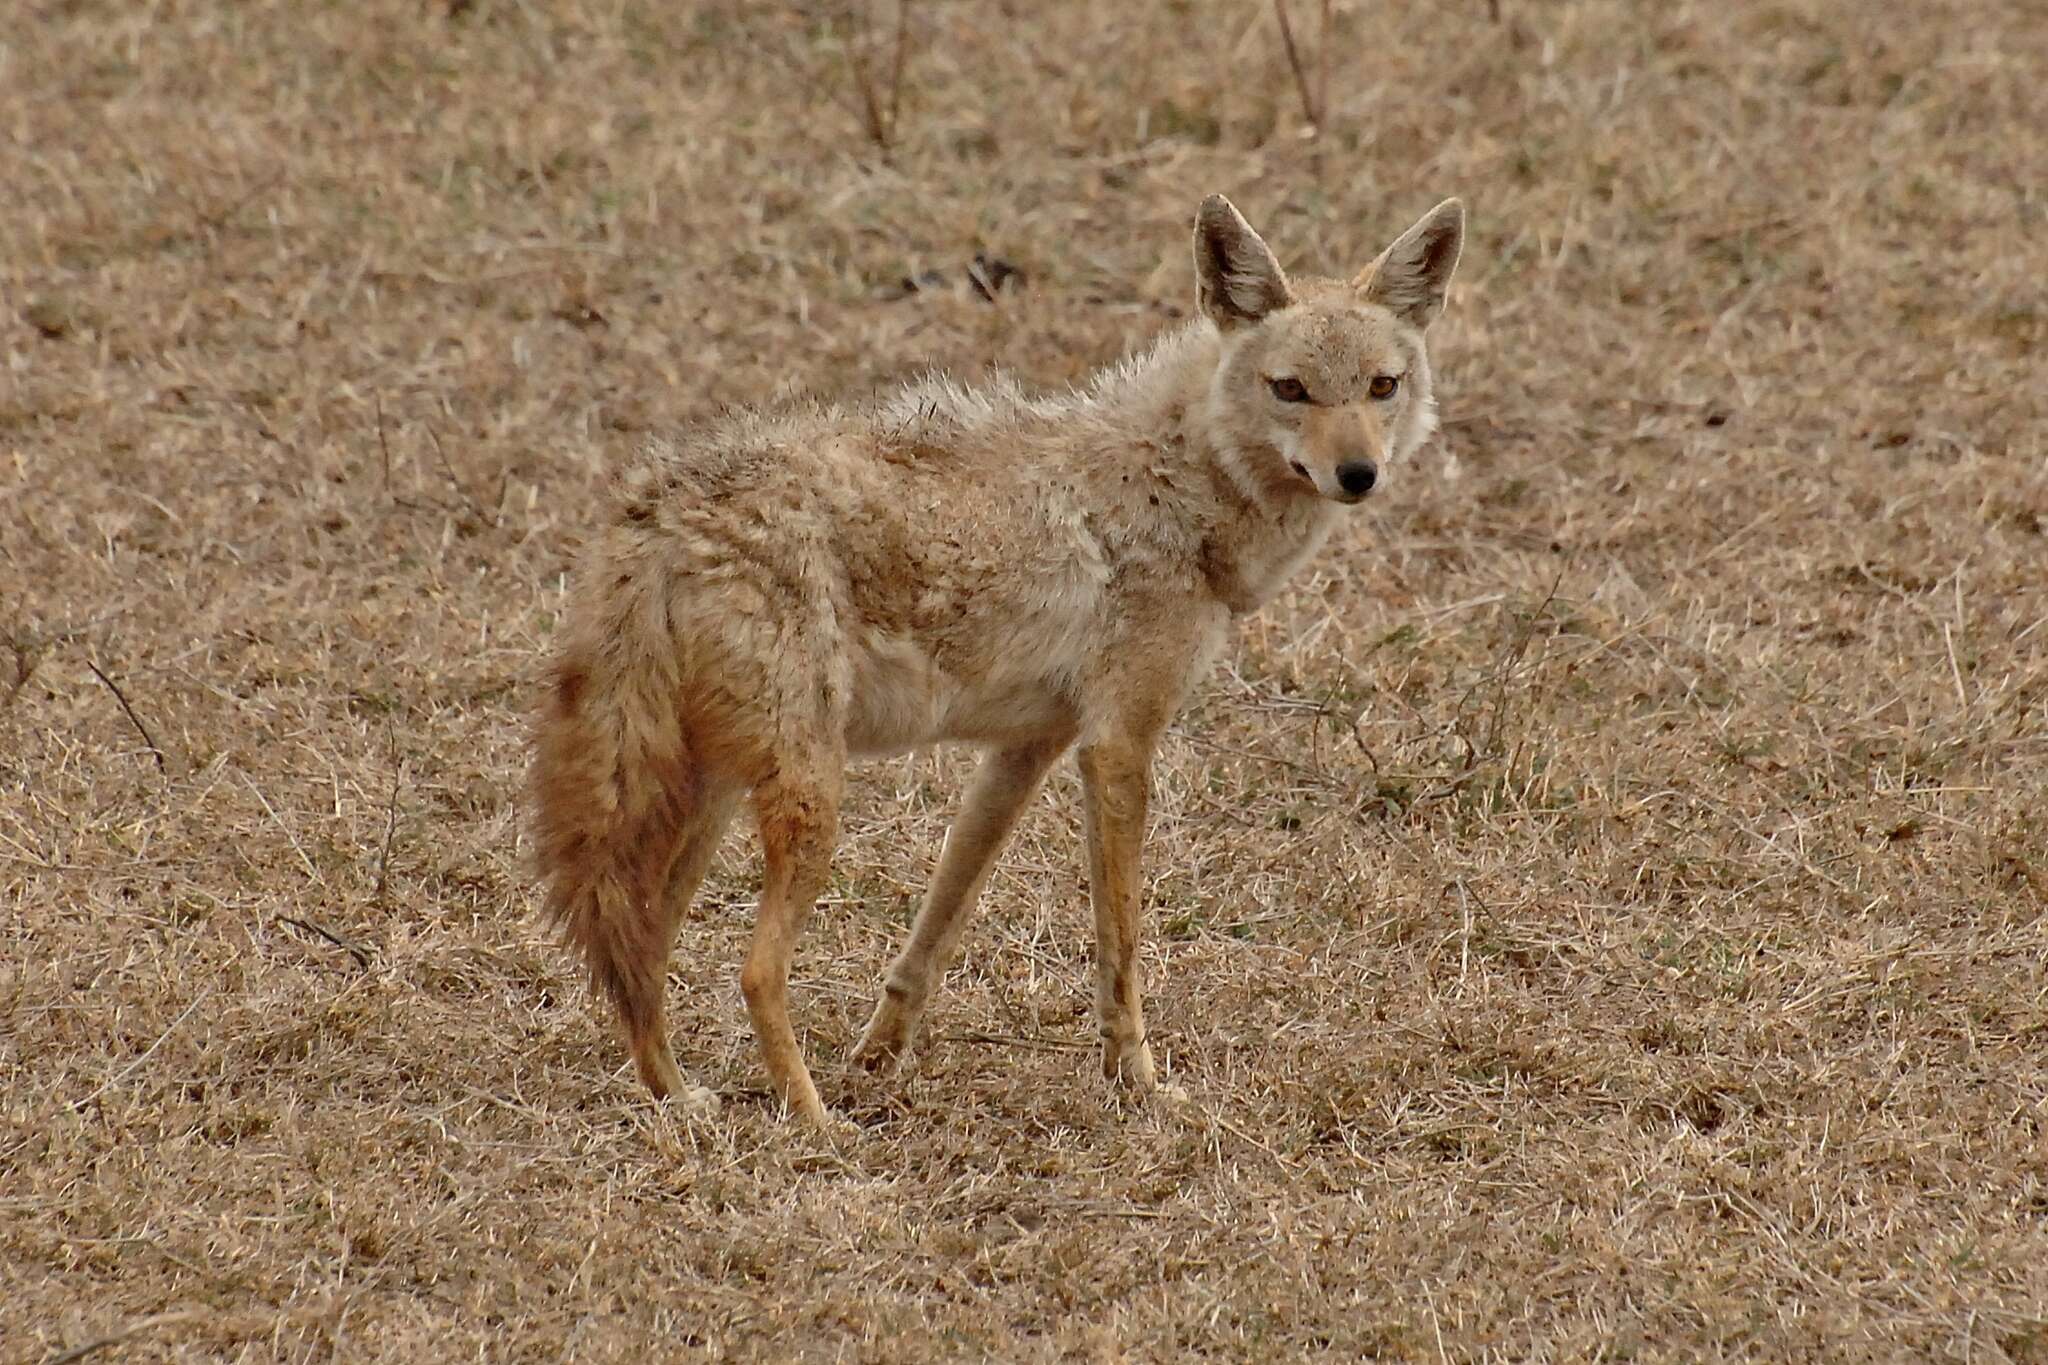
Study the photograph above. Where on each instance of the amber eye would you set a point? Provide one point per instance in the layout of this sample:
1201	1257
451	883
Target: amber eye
1383	386
1289	390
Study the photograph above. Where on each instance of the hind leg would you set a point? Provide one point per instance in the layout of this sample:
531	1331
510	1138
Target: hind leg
647	1025
799	813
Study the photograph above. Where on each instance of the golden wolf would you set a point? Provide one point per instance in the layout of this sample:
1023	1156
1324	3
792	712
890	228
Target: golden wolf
783	592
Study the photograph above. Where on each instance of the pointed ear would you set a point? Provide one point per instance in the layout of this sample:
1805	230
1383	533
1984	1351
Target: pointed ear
1236	278
1410	277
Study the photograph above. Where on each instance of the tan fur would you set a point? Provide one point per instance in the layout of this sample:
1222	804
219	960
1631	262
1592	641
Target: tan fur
782	593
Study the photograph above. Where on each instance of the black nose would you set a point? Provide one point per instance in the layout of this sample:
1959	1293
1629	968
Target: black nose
1357	477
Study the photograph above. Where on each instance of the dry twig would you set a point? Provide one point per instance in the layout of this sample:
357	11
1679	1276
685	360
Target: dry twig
476	509
390	818
128	711
881	104
1314	97
383	444
24	668
876	103
349	946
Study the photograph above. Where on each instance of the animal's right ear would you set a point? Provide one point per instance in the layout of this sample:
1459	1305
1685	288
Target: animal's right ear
1236	278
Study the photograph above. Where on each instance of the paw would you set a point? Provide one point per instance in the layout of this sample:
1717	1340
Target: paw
1130	1067
883	1042
695	1101
659	1074
878	1056
838	1133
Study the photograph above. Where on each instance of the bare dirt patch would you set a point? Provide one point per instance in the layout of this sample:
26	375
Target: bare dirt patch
1598	911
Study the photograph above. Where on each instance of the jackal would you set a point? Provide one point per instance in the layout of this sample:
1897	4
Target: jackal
785	591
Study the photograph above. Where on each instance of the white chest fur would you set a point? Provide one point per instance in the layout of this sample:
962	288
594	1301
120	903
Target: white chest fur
1246	569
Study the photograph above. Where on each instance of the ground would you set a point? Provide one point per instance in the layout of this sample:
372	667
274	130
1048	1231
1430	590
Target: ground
1597	912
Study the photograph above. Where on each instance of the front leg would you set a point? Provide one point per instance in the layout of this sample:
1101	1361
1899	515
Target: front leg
1115	785
1002	788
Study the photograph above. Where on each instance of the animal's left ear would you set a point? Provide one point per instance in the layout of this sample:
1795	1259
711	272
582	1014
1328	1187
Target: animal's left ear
1410	277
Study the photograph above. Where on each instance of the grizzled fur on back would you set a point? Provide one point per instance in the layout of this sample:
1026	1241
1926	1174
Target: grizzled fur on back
781	591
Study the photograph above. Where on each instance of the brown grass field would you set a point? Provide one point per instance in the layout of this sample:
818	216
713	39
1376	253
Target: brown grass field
1597	913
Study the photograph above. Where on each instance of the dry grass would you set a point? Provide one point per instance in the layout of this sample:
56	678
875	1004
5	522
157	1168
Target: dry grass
1599	912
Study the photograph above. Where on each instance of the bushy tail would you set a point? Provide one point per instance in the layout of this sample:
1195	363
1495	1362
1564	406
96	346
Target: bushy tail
614	788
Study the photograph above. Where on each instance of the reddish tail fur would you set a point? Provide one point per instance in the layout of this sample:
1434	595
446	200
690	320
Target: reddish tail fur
614	788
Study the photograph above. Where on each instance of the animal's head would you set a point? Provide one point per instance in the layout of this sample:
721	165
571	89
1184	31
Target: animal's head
1322	383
